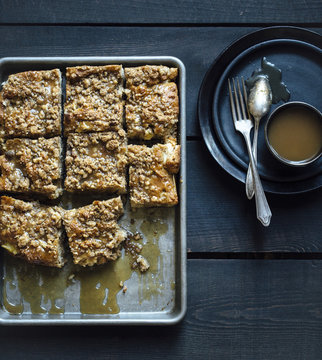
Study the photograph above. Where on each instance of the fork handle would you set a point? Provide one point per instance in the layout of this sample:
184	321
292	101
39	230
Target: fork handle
263	210
249	176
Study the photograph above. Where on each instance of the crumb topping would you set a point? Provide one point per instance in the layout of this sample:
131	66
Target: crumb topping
30	104
151	174
32	231
142	263
133	248
93	233
152	105
149	75
32	166
93	98
96	161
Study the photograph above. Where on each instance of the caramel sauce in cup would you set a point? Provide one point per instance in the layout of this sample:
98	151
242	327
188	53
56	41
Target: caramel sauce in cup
293	133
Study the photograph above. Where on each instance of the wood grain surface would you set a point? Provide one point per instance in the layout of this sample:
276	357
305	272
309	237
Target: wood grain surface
237	310
160	12
221	218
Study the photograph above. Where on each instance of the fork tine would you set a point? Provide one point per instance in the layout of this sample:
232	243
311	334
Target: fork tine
232	105
245	97
236	101
241	100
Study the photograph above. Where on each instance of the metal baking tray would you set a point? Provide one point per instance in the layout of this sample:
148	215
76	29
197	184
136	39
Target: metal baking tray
157	297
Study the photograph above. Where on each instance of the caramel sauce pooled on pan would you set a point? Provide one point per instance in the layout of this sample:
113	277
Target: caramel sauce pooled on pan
42	288
100	285
37	289
152	282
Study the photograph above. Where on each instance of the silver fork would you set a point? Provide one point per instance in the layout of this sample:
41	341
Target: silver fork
244	125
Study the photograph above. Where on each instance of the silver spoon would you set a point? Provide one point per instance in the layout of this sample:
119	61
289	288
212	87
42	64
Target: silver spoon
259	102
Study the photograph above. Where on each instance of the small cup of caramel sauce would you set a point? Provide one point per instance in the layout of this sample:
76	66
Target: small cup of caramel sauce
293	133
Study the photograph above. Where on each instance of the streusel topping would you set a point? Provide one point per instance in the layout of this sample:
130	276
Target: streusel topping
93	98
29	166
30	104
93	233
152	105
151	174
32	231
97	162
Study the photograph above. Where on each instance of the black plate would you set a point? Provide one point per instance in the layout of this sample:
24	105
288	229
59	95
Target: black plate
297	52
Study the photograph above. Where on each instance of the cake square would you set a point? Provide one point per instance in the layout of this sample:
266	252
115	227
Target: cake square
93	233
32	231
93	99
30	104
96	162
32	166
151	174
152	105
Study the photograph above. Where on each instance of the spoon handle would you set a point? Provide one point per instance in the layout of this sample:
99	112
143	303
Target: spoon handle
249	177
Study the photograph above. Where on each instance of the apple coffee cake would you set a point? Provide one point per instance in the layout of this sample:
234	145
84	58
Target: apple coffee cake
93	233
30	104
32	166
32	231
152	105
151	174
93	99
96	162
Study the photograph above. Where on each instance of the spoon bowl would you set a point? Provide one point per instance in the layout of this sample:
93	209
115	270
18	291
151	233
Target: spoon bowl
260	98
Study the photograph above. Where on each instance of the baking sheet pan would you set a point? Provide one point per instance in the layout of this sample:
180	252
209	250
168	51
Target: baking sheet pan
157	297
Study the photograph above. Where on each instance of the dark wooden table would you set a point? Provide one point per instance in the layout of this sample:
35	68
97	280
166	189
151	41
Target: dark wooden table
253	293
